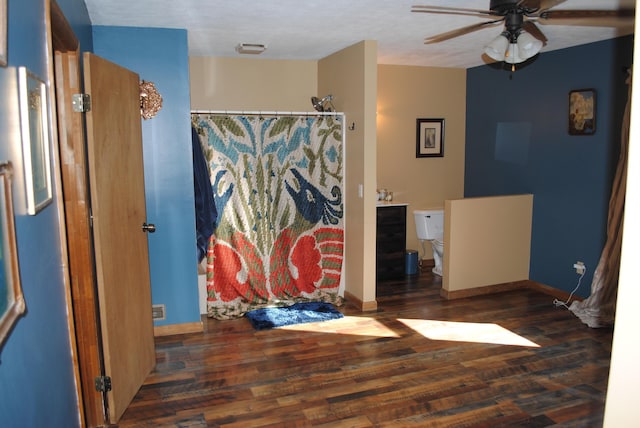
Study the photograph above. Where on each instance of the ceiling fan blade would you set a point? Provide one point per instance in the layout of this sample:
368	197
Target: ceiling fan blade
588	17
533	29
460	31
443	10
548	4
587	13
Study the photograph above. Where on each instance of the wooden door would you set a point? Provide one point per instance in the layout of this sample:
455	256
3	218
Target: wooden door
116	183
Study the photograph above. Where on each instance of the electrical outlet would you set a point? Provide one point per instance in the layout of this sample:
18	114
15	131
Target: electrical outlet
158	312
579	267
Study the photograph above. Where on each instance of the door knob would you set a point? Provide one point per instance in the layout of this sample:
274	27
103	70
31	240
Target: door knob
148	227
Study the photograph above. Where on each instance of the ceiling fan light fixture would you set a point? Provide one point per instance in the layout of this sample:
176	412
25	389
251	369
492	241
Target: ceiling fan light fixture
513	55
528	45
497	48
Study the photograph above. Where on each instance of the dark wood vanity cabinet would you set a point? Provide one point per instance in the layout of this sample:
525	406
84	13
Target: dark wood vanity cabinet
391	229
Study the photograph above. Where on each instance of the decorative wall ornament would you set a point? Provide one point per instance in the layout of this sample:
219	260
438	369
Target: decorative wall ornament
582	112
429	138
150	100
35	140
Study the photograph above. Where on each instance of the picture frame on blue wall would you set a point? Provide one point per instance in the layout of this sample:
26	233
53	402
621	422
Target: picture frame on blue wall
429	138
582	112
12	304
3	33
35	140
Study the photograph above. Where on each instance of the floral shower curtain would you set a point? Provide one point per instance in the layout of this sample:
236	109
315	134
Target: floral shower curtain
278	189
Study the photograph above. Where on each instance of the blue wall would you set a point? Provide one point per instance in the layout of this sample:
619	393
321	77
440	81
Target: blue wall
517	141
36	369
161	56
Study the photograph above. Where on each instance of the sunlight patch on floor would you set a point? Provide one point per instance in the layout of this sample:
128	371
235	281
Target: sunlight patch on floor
467	332
359	326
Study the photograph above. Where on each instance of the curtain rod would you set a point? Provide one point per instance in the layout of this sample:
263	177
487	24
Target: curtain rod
270	113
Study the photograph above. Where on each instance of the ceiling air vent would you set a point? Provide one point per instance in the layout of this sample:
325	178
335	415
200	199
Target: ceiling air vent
250	48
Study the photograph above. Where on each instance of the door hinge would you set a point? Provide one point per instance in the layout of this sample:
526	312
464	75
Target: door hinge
103	384
81	103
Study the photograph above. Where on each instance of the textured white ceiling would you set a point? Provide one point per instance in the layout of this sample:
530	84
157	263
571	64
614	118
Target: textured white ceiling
313	29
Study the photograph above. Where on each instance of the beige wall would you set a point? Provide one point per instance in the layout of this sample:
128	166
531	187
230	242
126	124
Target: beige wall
406	93
241	84
487	241
350	75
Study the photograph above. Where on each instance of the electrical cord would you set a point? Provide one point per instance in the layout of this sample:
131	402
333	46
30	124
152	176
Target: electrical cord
559	303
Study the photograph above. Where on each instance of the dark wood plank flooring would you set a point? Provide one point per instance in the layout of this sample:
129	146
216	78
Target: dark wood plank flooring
386	368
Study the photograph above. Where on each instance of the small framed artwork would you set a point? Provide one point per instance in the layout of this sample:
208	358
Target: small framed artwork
35	140
12	304
3	33
429	138
582	112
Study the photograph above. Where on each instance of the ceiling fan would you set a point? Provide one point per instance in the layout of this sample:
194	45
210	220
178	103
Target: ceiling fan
521	38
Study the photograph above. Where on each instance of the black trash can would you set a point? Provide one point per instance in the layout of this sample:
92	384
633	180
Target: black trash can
411	262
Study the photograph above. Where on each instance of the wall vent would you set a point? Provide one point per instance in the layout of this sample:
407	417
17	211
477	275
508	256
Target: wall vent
158	312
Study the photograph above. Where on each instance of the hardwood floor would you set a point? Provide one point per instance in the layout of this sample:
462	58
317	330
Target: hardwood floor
419	360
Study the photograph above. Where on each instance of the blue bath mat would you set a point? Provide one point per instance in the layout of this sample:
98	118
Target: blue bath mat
304	312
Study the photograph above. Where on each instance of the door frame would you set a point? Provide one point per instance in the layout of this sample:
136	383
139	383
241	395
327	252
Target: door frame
70	171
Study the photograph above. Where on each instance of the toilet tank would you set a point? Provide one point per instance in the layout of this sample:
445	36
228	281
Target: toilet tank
429	223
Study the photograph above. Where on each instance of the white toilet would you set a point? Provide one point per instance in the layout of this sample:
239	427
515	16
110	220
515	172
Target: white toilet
430	227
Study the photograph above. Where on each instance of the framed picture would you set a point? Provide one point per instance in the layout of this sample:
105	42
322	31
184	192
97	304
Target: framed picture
35	140
582	112
11	299
3	33
429	138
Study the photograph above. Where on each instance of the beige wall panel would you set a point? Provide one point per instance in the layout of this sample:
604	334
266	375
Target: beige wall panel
350	75
252	84
487	241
